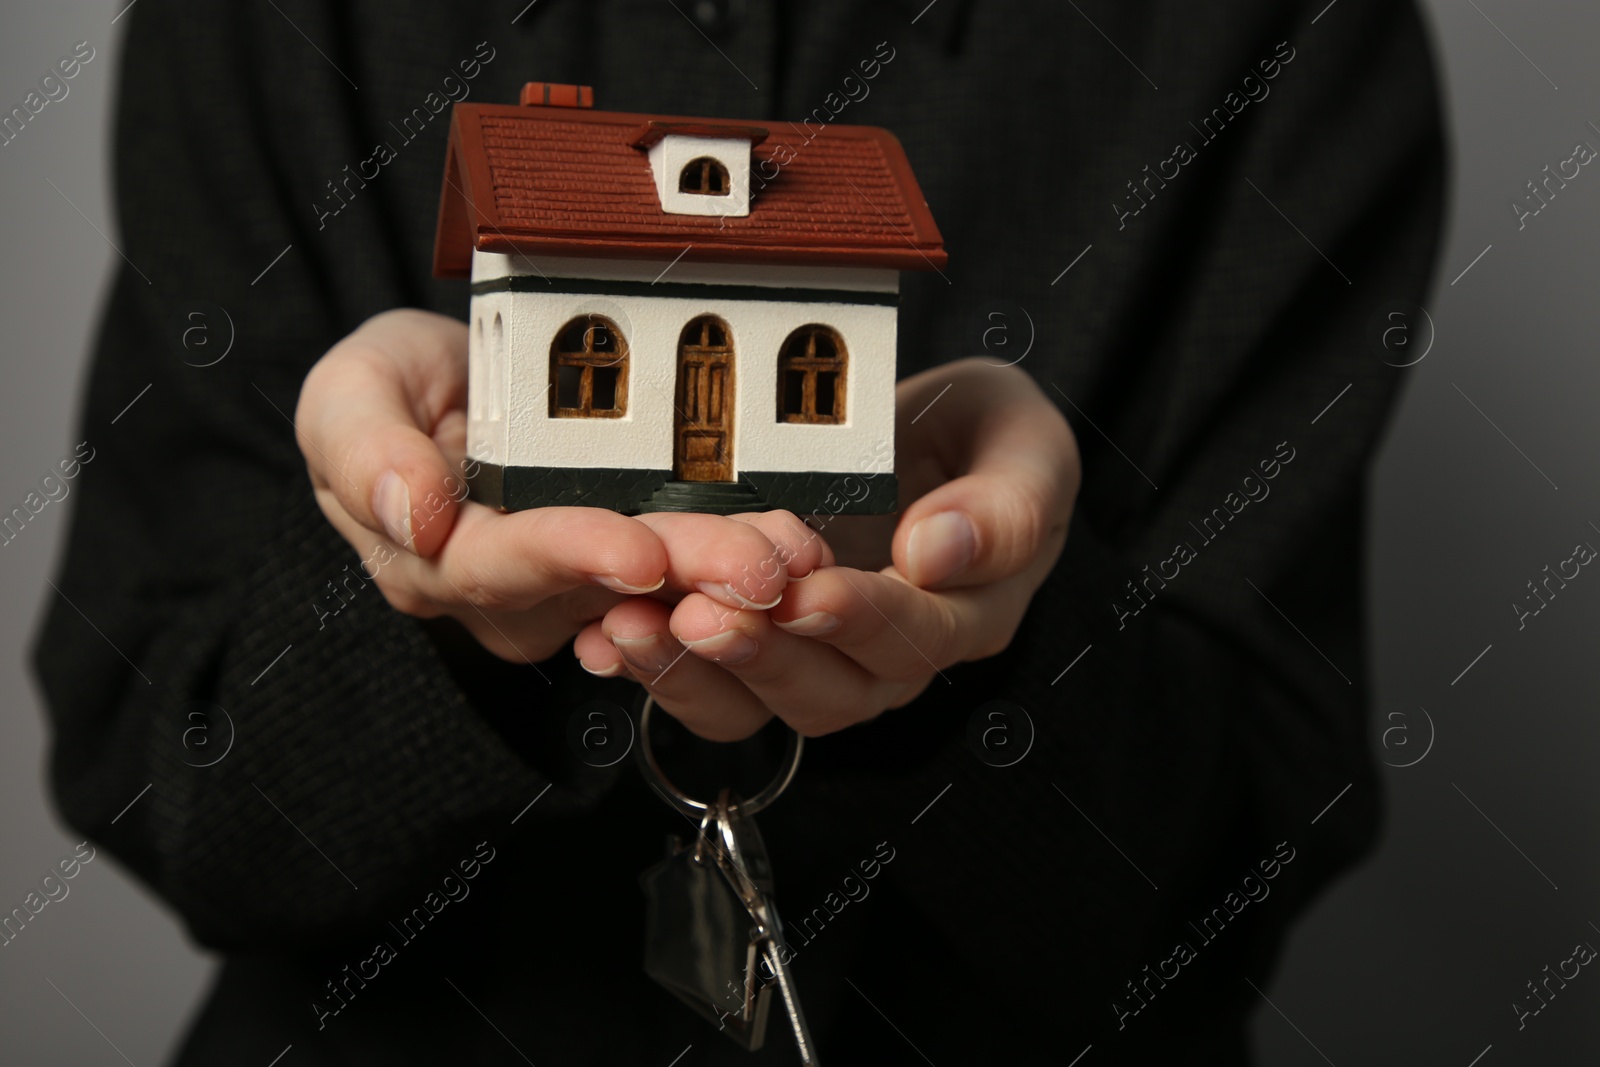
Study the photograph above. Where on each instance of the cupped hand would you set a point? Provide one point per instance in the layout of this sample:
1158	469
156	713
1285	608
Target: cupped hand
994	471
382	425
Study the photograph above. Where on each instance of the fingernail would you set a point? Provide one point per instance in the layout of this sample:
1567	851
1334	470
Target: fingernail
647	655
804	576
814	625
941	546
391	502
610	672
724	592
728	648
617	585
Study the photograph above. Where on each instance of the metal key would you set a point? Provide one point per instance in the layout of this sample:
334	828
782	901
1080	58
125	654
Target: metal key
744	860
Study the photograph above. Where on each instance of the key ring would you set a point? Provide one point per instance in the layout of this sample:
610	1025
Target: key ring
693	808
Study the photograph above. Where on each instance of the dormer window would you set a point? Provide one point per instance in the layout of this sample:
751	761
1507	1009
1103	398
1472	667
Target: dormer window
700	168
705	177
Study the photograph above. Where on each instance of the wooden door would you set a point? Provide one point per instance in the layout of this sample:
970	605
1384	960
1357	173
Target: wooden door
703	451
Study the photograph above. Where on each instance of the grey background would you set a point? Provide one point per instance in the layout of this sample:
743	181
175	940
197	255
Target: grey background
1418	956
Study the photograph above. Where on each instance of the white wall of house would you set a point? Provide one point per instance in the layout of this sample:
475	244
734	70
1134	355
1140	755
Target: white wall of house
513	425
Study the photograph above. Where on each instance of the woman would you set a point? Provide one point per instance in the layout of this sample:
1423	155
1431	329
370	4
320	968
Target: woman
1152	566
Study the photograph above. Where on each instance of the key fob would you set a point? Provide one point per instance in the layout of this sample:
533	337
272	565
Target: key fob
698	944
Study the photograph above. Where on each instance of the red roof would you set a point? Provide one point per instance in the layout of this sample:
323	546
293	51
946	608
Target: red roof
570	181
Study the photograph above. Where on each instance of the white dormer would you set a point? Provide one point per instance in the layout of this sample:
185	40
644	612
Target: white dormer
701	168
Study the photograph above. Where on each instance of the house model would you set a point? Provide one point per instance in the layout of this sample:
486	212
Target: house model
677	313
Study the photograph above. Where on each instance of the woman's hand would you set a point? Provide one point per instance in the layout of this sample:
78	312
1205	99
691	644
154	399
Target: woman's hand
382	424
994	470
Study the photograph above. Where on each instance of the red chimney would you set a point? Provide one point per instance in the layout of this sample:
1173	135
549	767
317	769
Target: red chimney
554	94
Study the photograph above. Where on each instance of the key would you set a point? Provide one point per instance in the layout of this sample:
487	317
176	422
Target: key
698	942
744	860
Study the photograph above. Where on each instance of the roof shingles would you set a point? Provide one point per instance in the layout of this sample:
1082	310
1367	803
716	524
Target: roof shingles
555	181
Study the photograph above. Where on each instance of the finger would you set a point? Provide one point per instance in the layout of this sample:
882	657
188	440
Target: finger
732	562
1013	467
899	632
521	637
595	652
414	587
704	697
812	687
365	421
797	548
514	561
510	562
534	636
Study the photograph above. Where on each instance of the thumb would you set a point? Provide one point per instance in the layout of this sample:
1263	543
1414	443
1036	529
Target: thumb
364	421
1016	475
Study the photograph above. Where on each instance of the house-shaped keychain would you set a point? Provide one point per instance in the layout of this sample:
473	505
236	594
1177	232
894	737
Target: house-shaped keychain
678	314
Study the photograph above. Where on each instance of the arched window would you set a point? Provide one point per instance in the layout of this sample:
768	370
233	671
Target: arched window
704	176
811	376
497	369
589	370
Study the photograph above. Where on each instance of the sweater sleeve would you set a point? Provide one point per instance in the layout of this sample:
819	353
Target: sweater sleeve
237	714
